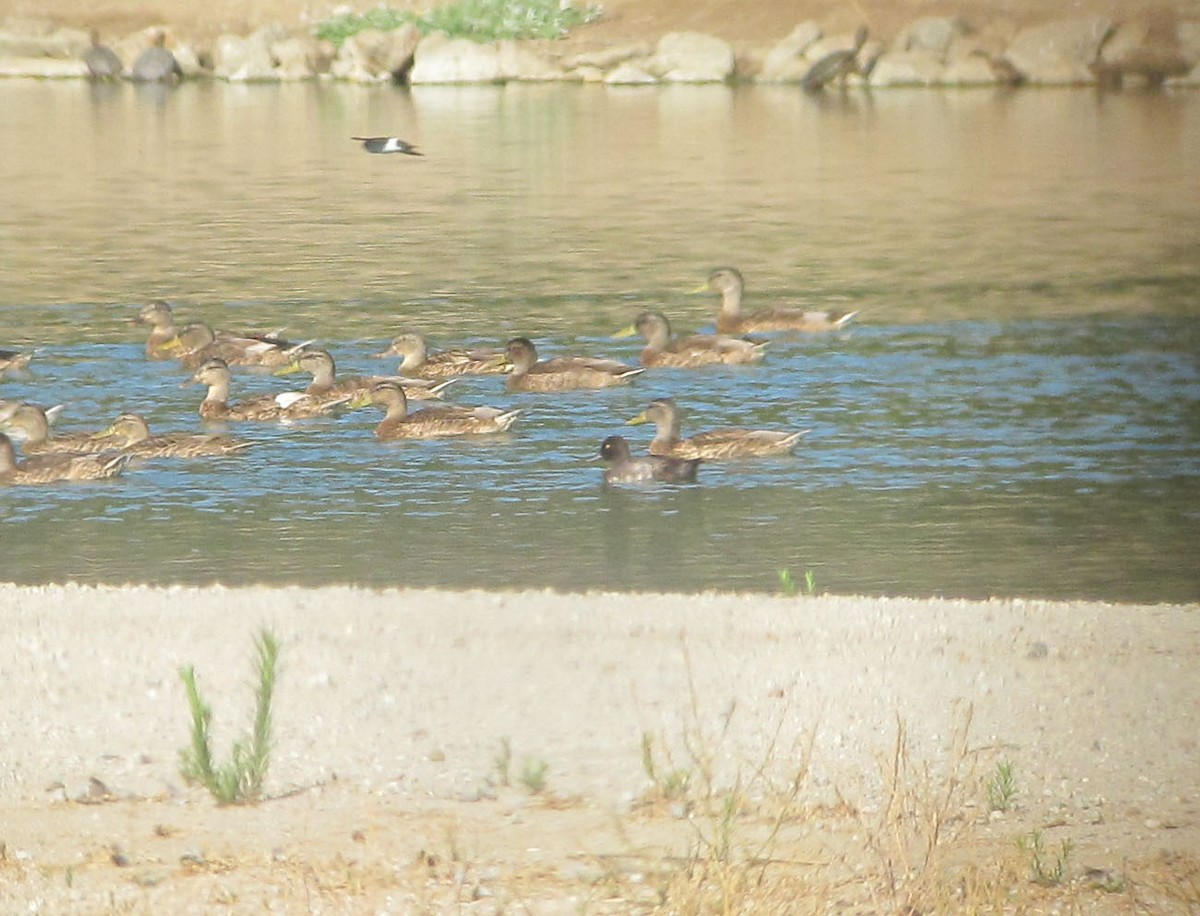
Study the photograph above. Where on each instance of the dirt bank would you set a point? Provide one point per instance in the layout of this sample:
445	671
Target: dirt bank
686	741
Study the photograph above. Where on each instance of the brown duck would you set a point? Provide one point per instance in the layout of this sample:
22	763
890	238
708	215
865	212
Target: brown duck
431	422
54	468
130	433
291	405
689	352
419	360
563	373
715	444
728	282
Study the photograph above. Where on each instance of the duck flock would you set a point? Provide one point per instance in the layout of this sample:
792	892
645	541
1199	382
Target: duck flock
424	375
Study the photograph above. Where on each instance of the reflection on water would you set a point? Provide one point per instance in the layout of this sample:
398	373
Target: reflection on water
1017	411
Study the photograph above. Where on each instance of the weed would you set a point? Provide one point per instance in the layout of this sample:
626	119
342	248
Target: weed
1002	787
1041	870
671	785
241	779
502	763
533	774
789	587
479	20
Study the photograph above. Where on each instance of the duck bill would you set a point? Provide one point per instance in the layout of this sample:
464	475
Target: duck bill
638	420
362	399
289	369
628	331
702	288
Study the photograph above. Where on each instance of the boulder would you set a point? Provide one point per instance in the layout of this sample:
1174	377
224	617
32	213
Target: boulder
521	62
630	74
373	56
907	68
1061	52
608	58
931	35
439	59
243	60
691	57
43	67
785	62
1137	52
969	70
298	58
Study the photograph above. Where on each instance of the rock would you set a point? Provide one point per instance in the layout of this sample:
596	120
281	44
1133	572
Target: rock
969	70
691	57
520	62
243	60
1137	51
34	39
907	68
1060	52
785	62
931	34
298	58
609	57
43	67
373	56
630	74
439	59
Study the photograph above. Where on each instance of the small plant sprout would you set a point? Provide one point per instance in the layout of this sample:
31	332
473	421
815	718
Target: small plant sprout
673	784
502	763
240	780
1042	871
533	774
1002	787
789	586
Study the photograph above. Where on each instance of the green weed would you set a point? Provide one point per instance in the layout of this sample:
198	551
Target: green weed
1002	787
241	779
1042	870
479	20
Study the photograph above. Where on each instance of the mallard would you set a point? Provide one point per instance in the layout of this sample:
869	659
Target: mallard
198	342
430	422
325	384
32	425
563	373
689	352
101	61
388	145
129	433
715	444
444	363
835	65
53	468
728	282
291	405
163	340
624	468
13	361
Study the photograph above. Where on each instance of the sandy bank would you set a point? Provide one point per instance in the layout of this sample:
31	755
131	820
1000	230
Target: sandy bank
394	707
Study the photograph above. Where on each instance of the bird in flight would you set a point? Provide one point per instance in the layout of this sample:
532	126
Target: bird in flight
388	145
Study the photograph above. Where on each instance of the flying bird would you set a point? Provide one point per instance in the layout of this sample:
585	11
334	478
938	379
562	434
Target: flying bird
388	145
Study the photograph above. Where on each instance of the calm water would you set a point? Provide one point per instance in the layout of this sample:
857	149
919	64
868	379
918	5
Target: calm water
1016	412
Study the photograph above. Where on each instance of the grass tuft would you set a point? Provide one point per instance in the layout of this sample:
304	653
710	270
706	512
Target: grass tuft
1002	787
479	20
239	781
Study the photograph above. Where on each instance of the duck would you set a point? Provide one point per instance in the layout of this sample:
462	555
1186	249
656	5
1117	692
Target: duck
835	65
101	61
388	145
728	282
325	384
715	444
156	64
419	361
130	433
13	361
563	373
430	422
163	341
31	423
53	468
689	352
624	468
290	405
198	342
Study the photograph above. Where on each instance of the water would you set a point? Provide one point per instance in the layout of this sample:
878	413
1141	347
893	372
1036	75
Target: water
1016	412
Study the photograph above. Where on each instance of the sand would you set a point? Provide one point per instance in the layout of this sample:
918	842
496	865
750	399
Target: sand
396	712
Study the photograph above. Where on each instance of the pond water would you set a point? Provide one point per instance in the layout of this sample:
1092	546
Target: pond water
1016	410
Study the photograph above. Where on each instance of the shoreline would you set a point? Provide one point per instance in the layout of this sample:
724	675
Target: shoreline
394	706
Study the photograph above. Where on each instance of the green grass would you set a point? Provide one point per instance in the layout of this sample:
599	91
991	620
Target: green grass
1002	787
239	781
479	20
1045	869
